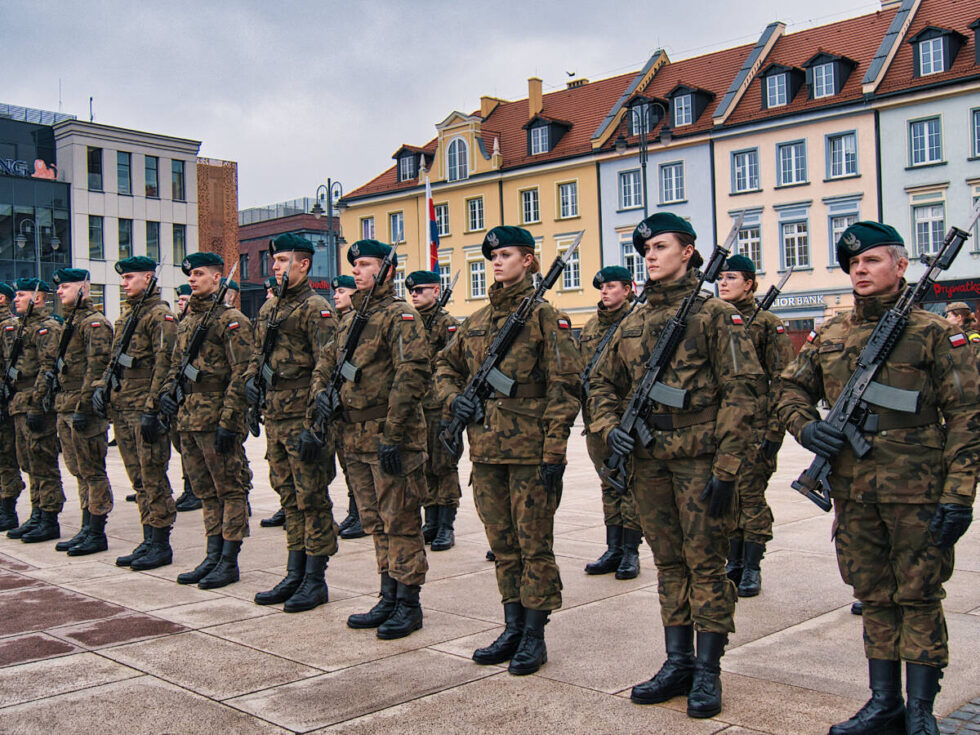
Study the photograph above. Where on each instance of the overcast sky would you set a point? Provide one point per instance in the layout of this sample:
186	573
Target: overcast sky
296	92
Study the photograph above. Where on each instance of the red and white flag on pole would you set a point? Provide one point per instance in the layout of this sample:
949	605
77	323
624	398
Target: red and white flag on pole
433	225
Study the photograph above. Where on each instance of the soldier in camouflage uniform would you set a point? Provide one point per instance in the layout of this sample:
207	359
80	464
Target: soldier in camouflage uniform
187	500
277	519
11	482
899	510
300	465
684	482
518	445
144	442
83	434
623	533
961	315
753	517
383	431
441	472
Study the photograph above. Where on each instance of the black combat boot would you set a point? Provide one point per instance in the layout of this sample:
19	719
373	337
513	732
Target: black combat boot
507	642
351	511
382	610
884	713
612	556
431	524
8	514
95	541
675	676
211	557
295	569
29	525
312	591
226	570
188	500
125	561
407	616
704	699
531	653
158	553
857	608
46	530
751	583
736	550
445	536
921	686
629	567
82	532
354	530
276	519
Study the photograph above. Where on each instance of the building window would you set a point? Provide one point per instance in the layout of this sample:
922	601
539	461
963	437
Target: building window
180	244
632	260
530	207
124	172
539	139
925	141
796	245
931	56
399	283
838	224
630	189
568	200
442	219
367	228
152	176
96	240
478	279
749	244
396	227
264	263
243	266
406	168
474	214
153	240
745	171
976	132
842	155
671	182
930	227
445	277
94	169
776	90
125	238
456	162
571	277
177	180
792	163
683	110
97	296
823	81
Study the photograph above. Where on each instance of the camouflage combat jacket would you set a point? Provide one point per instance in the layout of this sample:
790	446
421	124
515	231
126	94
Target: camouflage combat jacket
41	335
442	330
8	330
715	362
307	324
534	425
392	355
923	463
86	356
218	396
588	341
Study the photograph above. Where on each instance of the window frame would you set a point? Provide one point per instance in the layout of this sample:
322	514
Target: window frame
831	216
671	165
442	222
783	224
367	228
128	168
471	212
153	225
178	176
406	169
683	103
746	246
481	266
975	132
396	221
156	176
119	238
934	59
526	195
630	259
937	119
735	156
821	75
263	263
636	187
571	276
540	139
243	266
781	77
460	170
96	179
573	207
179	256
793	146
96	223
830	140
936	233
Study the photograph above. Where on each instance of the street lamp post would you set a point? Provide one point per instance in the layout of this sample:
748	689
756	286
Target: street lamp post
328	191
640	114
21	241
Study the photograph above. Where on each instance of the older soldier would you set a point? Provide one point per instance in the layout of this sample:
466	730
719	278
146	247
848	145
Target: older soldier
300	464
211	418
187	500
753	517
83	434
143	440
441	473
11	483
518	446
684	482
899	510
623	533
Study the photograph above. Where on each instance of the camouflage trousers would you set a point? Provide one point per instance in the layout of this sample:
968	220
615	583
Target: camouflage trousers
342	461
689	548
518	515
302	488
84	454
216	480
617	510
148	462
753	516
441	470
41	450
11	483
885	552
389	507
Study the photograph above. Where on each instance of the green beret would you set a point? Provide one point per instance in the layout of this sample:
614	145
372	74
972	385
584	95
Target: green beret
233	286
7	291
271	282
612	273
200	260
505	235
183	290
958	306
657	223
29	284
739	263
58	318
422	278
70	275
369	249
290	242
343	282
136	264
863	236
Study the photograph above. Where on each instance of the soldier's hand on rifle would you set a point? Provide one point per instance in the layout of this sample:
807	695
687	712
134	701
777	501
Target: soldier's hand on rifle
391	458
822	439
551	475
50	379
325	401
224	440
719	495
252	393
309	446
463	408
80	421
949	523
620	441
99	402
168	404
149	427
35	421
770	448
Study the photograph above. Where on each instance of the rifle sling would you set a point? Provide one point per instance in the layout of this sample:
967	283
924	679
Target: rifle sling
70	385
875	423
671	421
303	382
528	390
371	413
213	385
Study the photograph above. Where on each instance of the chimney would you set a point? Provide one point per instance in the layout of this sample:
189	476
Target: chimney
576	83
487	105
533	96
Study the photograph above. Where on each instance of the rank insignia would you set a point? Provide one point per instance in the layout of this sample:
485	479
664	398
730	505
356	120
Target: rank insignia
958	340
563	324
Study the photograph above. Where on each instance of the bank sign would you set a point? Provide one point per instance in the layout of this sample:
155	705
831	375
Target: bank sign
23	169
803	301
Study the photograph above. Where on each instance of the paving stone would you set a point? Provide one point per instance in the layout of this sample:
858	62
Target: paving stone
13	581
125	628
213	612
45	606
31	647
140	591
79	571
32	681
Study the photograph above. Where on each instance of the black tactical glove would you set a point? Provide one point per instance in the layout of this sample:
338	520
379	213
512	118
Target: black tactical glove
770	448
620	441
168	404
822	439
252	393
949	523
391	458
719	495
80	421
325	401
551	475
99	402
463	408
35	422
309	446
150	427
224	440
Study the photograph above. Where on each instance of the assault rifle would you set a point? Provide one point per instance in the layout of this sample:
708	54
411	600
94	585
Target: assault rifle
443	300
489	378
604	342
853	406
51	376
265	376
10	373
770	298
650	390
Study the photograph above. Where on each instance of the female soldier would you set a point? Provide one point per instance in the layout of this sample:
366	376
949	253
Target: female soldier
517	444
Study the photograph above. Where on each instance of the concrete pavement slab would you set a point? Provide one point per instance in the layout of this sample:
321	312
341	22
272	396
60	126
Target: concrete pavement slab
125	628
45	606
78	571
18	649
41	679
15	580
141	591
213	612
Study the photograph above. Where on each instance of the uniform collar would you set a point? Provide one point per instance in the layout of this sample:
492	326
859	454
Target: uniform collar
83	307
745	304
660	293
872	308
505	298
198	304
383	294
296	290
608	316
150	300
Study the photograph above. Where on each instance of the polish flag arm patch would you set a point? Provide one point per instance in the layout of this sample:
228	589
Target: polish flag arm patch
95	324
325	313
564	324
811	336
451	328
44	330
737	319
958	340
780	329
408	317
233	325
168	317
9	328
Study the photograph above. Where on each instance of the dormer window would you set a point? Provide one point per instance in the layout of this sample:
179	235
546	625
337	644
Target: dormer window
780	84
826	74
931	57
687	103
683	110
539	140
543	134
641	118
823	81
935	50
776	90
408	168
